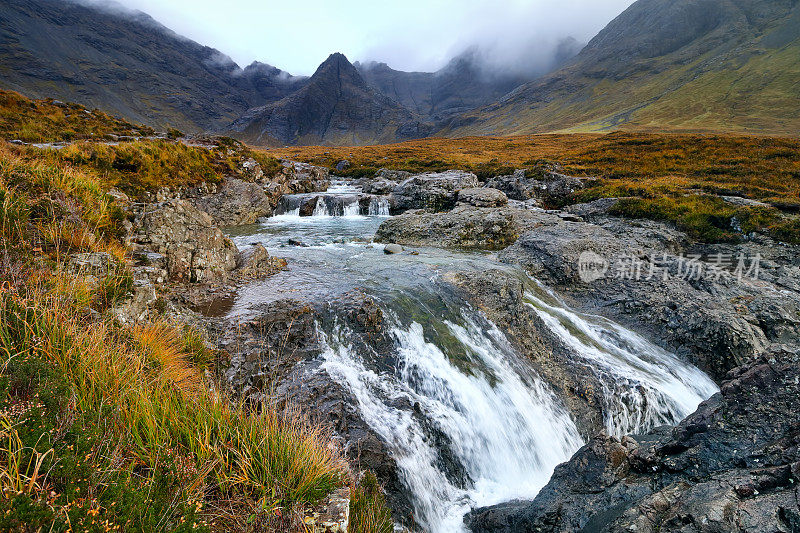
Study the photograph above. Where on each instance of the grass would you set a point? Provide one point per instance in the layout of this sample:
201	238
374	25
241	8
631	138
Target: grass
40	121
106	427
671	176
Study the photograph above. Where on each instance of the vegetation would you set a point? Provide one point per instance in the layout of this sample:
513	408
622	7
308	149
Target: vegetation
669	177
107	427
41	121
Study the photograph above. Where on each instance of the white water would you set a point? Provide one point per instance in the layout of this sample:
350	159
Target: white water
645	386
506	429
379	206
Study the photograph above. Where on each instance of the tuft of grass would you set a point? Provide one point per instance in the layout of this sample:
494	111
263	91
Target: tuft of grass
368	511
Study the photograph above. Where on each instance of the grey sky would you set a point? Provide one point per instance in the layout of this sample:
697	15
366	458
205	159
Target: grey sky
296	35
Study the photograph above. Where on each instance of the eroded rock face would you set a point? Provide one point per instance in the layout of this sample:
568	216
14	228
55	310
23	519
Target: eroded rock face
733	465
195	249
463	227
433	190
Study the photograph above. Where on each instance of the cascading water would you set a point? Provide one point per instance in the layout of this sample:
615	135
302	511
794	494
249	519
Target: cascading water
645	386
340	200
505	430
467	422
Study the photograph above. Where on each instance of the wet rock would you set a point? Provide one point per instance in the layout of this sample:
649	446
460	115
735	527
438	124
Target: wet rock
257	263
499	295
308	205
463	227
295	242
482	197
195	249
644	284
392	249
265	348
237	202
433	190
733	465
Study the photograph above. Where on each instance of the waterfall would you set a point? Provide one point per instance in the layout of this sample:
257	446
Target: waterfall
379	206
504	427
644	385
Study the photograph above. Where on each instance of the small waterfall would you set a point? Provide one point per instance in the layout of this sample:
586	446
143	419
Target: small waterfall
504	428
378	206
644	385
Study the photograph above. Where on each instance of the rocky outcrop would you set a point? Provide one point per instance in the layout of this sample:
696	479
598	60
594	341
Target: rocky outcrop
733	465
194	248
463	227
651	279
546	185
482	197
236	202
434	190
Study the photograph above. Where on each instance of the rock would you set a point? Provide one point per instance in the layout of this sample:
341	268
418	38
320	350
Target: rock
251	170
295	242
237	203
546	185
379	186
392	249
266	348
713	319
257	263
744	202
333	514
482	197
303	178
195	249
92	263
434	190
342	165
732	465
392	175
463	227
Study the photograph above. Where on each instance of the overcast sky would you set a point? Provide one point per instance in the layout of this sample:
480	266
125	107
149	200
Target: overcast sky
297	35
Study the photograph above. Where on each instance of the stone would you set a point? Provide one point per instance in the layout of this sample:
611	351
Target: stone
433	190
379	186
342	165
257	263
92	263
236	203
195	249
392	249
463	227
482	197
392	175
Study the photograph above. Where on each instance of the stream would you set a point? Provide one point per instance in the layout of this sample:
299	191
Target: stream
467	421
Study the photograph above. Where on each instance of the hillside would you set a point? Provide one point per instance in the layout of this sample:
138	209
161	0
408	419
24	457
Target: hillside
335	107
124	62
461	85
688	65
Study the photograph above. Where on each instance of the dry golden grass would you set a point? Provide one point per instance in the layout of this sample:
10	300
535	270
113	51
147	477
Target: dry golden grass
759	167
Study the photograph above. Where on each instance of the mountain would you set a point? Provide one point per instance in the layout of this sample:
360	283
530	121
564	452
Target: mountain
679	65
124	62
463	84
337	107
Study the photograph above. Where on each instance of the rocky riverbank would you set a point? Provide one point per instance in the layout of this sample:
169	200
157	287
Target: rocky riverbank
723	307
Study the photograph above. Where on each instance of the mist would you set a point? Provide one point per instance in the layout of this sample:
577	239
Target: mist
515	36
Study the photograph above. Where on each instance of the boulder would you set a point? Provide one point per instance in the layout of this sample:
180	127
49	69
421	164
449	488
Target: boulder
251	170
463	227
195	249
392	249
392	175
379	186
482	197
733	465
433	190
237	202
342	165
257	263
546	185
